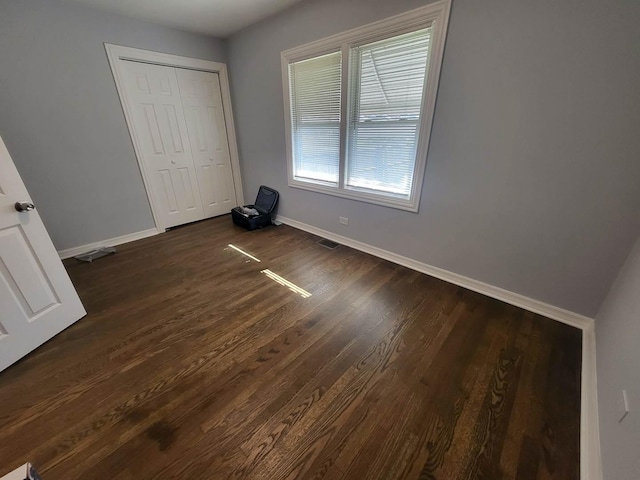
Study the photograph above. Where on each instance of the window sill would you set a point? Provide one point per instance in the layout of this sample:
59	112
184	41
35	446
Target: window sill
385	201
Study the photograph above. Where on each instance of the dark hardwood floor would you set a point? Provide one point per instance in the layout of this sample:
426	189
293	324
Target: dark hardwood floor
192	364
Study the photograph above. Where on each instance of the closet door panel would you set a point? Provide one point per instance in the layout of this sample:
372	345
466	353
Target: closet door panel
202	100
161	129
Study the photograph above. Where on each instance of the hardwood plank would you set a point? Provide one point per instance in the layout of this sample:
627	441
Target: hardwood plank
193	364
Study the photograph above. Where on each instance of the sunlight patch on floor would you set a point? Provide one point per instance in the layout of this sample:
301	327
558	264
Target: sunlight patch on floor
286	283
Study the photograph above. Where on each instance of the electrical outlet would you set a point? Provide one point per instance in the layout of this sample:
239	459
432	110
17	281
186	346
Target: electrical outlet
623	406
344	220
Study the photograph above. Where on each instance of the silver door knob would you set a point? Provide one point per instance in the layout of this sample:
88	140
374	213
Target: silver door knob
24	206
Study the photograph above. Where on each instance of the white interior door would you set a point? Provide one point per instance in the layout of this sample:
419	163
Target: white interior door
37	298
202	102
159	124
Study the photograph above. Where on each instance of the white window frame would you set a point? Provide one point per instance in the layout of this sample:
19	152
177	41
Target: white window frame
436	15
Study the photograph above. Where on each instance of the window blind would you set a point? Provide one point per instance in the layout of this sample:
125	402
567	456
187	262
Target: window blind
387	80
315	90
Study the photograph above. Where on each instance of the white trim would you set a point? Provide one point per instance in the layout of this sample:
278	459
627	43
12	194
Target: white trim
406	21
590	459
227	110
110	242
436	14
20	473
117	54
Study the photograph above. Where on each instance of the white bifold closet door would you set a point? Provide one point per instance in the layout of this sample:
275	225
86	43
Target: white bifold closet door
179	123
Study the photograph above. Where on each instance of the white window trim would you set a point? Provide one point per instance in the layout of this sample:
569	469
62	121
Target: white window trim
436	14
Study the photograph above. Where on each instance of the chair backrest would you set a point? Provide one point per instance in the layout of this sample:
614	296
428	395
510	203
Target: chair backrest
267	198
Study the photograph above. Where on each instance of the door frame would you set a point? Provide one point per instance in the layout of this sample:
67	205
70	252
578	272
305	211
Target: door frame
117	54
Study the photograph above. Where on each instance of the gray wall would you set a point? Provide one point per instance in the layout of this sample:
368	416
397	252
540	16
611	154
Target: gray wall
61	118
618	359
532	176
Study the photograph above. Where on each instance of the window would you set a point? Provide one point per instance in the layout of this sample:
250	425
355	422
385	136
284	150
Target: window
315	117
359	107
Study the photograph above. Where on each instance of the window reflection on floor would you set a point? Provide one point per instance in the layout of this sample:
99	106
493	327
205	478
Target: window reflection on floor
286	283
244	253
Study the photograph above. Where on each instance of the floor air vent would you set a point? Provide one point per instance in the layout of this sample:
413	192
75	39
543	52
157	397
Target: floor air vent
328	243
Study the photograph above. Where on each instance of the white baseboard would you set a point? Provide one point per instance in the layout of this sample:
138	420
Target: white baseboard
536	306
590	460
110	242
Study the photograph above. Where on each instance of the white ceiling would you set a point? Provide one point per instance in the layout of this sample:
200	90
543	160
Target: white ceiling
219	18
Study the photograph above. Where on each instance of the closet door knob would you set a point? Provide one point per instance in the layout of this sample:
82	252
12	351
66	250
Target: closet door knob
24	206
